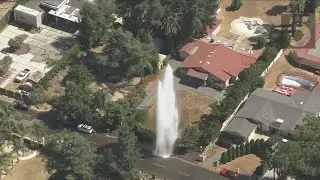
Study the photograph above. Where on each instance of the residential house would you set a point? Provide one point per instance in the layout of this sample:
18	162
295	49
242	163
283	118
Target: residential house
271	113
213	63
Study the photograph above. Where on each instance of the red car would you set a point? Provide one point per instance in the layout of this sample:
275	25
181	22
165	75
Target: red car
228	173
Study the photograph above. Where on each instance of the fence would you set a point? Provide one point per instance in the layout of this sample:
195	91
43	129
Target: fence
228	120
11	94
275	60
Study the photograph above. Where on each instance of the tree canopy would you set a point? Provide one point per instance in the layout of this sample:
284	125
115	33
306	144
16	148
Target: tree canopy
299	157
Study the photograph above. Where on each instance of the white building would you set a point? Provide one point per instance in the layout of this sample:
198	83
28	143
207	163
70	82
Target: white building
28	16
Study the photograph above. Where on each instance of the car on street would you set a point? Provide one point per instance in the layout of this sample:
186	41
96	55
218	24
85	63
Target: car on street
228	173
85	128
22	75
21	105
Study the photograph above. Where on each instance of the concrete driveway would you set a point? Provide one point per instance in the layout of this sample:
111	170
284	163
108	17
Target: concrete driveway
217	95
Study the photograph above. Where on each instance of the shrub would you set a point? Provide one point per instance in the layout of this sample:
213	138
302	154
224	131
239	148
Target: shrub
261	42
237	151
16	42
234	153
242	150
252	147
261	170
224	158
247	147
38	96
5	65
235	5
229	155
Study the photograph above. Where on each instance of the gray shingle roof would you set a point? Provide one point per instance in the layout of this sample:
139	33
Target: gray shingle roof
265	107
241	127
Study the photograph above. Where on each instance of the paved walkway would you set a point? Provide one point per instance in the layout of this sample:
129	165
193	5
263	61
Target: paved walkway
34	154
9	79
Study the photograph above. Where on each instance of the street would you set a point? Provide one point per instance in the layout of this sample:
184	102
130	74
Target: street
175	169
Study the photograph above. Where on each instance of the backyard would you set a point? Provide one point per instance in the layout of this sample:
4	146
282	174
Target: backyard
279	67
250	9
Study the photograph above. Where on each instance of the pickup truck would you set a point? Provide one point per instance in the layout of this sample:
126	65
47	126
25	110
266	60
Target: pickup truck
22	75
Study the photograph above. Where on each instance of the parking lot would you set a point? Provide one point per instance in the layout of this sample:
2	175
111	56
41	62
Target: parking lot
44	45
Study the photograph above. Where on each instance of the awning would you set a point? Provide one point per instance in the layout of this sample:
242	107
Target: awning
198	75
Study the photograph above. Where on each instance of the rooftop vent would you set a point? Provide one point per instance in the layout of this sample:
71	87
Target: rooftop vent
200	61
280	121
195	49
209	56
208	62
301	103
318	114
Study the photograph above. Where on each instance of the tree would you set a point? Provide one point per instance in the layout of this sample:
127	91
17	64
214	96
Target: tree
80	75
238	154
189	139
138	122
297	7
234	153
5	162
71	155
115	114
252	146
16	42
284	40
99	99
38	96
38	131
229	155
242	150
209	130
130	152
18	146
5	65
170	22
125	56
106	165
224	158
247	147
261	42
94	25
235	5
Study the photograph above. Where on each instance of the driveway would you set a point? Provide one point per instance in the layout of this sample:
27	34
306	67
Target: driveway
217	95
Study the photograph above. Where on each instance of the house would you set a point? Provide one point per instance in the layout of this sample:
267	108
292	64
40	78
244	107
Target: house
213	63
271	113
27	16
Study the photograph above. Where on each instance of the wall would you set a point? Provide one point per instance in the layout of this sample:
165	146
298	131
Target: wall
10	94
215	32
275	60
28	19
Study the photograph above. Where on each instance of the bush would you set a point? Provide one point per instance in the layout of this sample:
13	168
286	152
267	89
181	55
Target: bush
229	155
242	150
38	96
247	147
5	65
235	5
16	42
252	146
234	153
224	158
238	151
261	42
261	170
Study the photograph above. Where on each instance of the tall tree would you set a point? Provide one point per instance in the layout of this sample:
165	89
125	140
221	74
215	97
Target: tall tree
297	7
71	155
130	152
5	162
171	22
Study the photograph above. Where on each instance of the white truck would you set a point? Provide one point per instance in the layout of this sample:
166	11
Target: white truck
22	75
86	128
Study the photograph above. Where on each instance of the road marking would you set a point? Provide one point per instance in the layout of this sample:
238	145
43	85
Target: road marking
183	174
93	143
114	137
158	165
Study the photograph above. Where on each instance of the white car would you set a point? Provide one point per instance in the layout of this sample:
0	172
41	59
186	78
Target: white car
23	75
85	128
23	92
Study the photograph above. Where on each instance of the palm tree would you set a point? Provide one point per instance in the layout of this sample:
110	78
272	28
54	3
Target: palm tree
6	160
297	7
171	22
19	146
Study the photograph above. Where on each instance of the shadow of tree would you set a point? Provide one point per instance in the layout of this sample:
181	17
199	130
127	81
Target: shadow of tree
64	44
276	10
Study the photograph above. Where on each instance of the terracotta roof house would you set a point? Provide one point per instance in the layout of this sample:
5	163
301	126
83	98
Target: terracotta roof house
269	112
213	63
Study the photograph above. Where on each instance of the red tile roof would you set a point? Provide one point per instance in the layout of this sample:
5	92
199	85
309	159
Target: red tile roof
217	59
197	74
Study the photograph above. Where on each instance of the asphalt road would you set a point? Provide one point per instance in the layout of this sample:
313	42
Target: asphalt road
175	169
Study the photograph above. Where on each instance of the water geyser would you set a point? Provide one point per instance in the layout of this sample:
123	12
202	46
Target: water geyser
167	116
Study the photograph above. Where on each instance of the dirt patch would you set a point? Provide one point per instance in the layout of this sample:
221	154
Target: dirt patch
249	9
247	164
45	107
279	67
191	105
29	170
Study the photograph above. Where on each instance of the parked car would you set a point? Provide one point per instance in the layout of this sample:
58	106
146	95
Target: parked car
23	92
228	173
21	105
22	75
85	128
